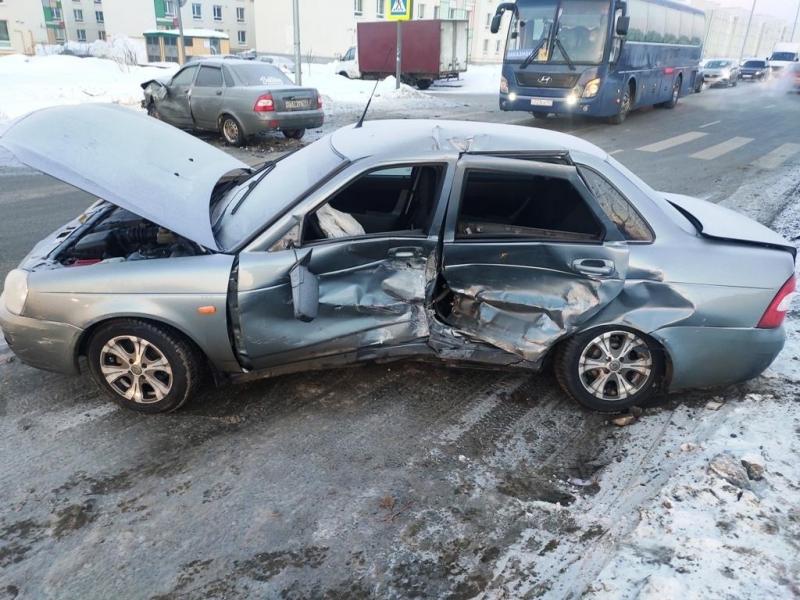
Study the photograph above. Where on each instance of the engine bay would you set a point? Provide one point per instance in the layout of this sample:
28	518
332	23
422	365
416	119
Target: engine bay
121	235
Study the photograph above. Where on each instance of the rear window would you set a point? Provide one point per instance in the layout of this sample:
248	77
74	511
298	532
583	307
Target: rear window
755	64
260	74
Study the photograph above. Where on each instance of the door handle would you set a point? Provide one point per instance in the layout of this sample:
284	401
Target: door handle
405	252
593	266
219	92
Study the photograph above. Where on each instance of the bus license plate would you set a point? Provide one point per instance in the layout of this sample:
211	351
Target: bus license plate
541	102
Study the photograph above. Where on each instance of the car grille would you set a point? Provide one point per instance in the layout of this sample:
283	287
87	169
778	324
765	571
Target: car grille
546	80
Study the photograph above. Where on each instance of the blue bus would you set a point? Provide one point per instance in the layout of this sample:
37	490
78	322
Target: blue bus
600	58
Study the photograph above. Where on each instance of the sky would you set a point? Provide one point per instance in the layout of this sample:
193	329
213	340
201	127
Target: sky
786	9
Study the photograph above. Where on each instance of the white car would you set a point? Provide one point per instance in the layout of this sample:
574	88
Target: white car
347	66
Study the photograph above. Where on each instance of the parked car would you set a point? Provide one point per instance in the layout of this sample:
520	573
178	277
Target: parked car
481	243
239	98
721	73
754	70
347	65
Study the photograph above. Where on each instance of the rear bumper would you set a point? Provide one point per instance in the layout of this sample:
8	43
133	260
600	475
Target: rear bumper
41	344
711	356
281	121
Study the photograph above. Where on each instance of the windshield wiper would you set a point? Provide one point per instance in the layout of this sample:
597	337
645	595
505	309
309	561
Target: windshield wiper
262	171
529	59
564	54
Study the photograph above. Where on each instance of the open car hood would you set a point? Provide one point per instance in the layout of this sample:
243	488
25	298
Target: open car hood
127	158
715	221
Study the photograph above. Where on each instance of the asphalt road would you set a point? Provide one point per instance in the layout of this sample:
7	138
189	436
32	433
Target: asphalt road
401	480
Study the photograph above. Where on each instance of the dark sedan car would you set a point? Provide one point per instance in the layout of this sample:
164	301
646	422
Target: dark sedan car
754	70
238	98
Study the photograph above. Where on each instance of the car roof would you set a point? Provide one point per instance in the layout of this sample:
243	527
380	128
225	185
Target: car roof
397	137
219	60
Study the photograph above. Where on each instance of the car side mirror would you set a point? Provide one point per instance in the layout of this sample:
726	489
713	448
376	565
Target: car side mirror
623	25
305	290
495	27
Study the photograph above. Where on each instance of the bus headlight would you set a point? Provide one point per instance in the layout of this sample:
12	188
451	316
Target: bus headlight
503	85
15	291
592	88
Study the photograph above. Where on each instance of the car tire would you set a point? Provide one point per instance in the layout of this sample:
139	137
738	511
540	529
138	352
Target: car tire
294	134
231	131
344	74
624	107
424	84
169	368
642	376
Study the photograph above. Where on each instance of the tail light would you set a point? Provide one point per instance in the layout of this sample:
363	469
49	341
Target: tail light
319	101
777	309
265	103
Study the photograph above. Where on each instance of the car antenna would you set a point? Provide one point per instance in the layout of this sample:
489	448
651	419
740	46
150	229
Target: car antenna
366	108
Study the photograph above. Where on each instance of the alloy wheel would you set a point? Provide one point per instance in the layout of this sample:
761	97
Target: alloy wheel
615	365
136	369
231	130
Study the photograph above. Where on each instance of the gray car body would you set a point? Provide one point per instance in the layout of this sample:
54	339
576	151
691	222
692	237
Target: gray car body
722	75
699	288
202	108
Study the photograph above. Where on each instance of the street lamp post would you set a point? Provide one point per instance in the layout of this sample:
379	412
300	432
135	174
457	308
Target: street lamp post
747	32
796	18
298	65
181	42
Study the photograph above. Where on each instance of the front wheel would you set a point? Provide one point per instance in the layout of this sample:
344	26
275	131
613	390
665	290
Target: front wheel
294	134
144	367
610	369
624	107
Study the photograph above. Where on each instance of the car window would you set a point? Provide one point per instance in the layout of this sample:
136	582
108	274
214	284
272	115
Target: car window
260	74
629	222
498	204
394	199
228	77
185	77
209	77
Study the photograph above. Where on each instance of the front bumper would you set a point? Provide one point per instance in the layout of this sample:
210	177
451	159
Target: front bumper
712	80
41	344
560	105
283	121
712	356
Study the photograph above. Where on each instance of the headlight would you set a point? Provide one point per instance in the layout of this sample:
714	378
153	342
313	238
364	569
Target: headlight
726	73
15	291
592	88
503	85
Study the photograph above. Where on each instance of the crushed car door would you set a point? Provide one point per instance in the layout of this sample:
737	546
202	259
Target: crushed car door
174	108
528	255
206	97
357	279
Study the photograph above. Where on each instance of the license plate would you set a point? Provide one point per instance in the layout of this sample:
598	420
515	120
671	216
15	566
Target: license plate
295	104
746	76
541	102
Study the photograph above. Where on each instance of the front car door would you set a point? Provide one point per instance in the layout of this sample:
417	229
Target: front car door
207	95
174	108
371	243
528	255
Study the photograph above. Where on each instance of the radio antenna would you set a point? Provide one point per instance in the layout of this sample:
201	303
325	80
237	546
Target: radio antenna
366	108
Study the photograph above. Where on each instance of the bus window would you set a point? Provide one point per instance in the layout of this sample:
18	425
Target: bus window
698	30
532	23
656	23
637	11
673	26
582	31
687	20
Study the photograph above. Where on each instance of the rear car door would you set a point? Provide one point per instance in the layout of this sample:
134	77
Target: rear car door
528	254
369	246
207	95
174	108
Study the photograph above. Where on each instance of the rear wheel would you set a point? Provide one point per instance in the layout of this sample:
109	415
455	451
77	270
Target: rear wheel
610	369
424	84
144	367
231	131
294	134
676	93
625	105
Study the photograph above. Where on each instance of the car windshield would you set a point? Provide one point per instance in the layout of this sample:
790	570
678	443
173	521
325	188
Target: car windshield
237	220
755	64
258	73
784	56
718	64
582	29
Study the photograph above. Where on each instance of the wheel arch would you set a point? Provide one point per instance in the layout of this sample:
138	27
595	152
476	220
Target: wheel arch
632	84
233	115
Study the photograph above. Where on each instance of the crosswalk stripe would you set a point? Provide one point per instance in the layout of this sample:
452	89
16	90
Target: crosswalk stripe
722	149
673	141
710	124
777	157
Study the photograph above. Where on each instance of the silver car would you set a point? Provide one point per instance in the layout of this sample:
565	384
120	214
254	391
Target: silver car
238	98
475	243
721	73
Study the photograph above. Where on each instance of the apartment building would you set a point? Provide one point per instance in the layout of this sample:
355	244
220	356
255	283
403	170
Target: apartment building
22	26
233	17
328	27
84	20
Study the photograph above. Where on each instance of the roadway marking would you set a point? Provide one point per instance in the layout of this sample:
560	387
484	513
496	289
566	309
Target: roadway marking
777	157
616	152
770	106
710	124
722	149
673	141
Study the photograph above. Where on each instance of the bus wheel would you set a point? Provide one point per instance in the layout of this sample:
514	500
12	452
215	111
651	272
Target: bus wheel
676	93
624	107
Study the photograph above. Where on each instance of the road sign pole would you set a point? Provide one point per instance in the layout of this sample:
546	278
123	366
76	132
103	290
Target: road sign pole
398	59
181	41
298	64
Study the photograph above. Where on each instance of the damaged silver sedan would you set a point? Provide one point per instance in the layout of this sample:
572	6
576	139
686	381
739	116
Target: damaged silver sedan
470	243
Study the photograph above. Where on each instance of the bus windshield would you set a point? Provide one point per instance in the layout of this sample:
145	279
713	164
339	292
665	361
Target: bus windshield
581	27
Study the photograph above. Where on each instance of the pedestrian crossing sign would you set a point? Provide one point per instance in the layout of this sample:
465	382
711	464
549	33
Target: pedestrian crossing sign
399	10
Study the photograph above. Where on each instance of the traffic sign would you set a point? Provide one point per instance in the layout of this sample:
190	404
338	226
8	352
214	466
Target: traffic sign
399	10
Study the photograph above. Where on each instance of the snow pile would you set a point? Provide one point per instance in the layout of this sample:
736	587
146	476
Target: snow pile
31	83
124	50
724	526
478	79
